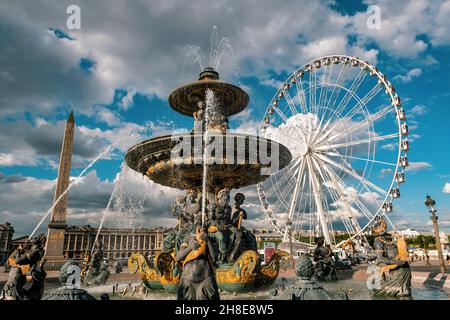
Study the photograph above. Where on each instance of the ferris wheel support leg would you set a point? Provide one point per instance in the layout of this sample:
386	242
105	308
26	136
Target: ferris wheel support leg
319	203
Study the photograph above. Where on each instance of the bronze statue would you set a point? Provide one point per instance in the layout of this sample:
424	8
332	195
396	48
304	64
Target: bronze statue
69	277
118	267
199	118
26	261
96	269
240	238
197	257
189	209
305	288
394	272
169	240
220	222
325	268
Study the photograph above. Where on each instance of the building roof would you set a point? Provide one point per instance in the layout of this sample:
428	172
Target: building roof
88	228
6	226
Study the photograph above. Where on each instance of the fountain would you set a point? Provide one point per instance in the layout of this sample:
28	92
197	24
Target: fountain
208	162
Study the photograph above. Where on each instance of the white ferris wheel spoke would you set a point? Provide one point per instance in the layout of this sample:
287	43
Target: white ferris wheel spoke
356	108
357	202
339	82
356	142
323	133
351	91
336	154
318	200
283	178
371	119
353	174
335	198
364	101
294	198
289	101
281	114
364	185
312	90
324	89
301	94
350	220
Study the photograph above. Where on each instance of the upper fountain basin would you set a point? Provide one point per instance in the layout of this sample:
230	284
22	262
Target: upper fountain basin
240	160
231	99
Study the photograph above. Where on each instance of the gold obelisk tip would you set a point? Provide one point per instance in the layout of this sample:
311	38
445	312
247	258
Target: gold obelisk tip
71	118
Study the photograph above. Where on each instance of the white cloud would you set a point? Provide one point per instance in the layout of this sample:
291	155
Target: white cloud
107	116
138	201
147	57
418	166
389	146
446	188
127	100
385	172
419	110
413	73
440	32
413	137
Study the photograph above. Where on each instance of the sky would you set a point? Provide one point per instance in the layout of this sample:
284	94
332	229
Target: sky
117	70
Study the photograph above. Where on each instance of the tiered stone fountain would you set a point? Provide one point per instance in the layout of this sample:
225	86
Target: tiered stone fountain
208	162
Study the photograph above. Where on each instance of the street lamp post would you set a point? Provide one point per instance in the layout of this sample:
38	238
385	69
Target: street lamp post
430	203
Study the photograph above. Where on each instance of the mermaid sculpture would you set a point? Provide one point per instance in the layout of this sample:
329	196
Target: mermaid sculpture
198	258
393	273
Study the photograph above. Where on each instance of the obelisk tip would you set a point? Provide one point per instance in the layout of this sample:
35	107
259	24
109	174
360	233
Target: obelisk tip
71	118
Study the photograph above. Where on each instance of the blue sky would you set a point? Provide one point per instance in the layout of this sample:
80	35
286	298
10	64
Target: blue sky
116	72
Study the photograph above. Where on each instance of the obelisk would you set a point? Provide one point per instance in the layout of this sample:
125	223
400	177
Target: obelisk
54	251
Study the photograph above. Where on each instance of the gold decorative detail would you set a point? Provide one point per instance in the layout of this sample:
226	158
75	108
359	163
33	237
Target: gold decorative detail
166	263
212	229
268	274
194	254
242	271
379	227
137	262
402	249
12	262
349	243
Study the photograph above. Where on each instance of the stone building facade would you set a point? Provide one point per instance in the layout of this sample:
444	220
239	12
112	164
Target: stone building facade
118	244
6	234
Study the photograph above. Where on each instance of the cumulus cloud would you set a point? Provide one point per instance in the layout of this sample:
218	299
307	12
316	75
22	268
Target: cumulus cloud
266	37
408	77
418	166
137	202
389	146
419	110
386	172
446	188
34	145
400	27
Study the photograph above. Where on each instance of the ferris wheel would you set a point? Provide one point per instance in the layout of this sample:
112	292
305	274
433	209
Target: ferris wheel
345	126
